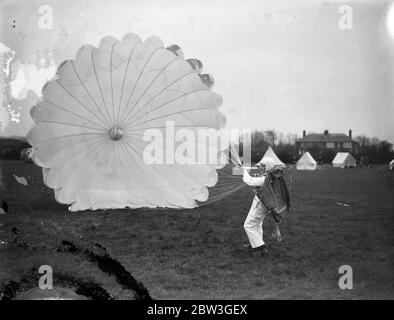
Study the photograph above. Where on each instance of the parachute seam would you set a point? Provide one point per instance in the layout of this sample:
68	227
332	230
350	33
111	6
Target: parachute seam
166	103
179	112
70	124
73	113
71	95
112	87
98	83
132	156
64	186
122	170
73	155
138	79
170	201
74	144
148	87
191	178
90	95
124	80
175	126
62	164
166	87
69	135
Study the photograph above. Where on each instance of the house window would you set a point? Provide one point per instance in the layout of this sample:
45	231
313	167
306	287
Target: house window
347	145
330	145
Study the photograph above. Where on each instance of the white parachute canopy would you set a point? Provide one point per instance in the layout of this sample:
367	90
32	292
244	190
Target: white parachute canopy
109	126
344	160
392	164
271	154
306	162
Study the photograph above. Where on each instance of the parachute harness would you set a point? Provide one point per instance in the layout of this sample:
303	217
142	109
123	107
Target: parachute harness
273	194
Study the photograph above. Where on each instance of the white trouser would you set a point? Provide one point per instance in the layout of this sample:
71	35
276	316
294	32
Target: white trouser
254	223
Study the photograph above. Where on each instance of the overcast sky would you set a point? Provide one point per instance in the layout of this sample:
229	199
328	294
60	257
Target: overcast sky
284	65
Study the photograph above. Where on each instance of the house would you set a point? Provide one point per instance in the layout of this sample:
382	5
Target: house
319	143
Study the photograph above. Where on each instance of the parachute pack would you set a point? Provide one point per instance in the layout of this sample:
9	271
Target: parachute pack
274	194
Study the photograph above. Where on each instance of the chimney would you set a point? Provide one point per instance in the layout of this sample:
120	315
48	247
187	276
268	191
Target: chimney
326	132
303	133
350	133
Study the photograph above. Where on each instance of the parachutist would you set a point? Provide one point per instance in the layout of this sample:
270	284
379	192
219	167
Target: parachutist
266	201
254	221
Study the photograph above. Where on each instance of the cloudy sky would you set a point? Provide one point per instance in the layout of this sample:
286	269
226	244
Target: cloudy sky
285	65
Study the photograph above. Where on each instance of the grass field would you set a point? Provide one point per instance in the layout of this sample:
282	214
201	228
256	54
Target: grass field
198	254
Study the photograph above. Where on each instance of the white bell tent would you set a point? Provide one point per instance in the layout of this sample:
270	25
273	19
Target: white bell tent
271	154
306	162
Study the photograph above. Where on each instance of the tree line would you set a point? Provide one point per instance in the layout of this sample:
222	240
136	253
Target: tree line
371	150
10	148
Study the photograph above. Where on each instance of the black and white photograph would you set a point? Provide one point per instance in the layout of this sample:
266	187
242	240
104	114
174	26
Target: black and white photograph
196	156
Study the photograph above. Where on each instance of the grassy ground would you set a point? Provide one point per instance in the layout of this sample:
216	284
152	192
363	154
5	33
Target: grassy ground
198	254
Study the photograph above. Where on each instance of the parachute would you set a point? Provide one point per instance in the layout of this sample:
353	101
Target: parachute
103	128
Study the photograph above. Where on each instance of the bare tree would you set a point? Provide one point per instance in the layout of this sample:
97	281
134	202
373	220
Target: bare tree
291	138
363	140
281	138
375	141
258	136
271	137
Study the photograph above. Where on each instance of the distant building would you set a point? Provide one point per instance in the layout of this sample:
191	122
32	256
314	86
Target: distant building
317	143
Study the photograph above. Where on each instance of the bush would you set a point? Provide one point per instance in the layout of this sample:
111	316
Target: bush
10	148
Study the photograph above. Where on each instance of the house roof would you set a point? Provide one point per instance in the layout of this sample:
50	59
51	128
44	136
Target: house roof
321	137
